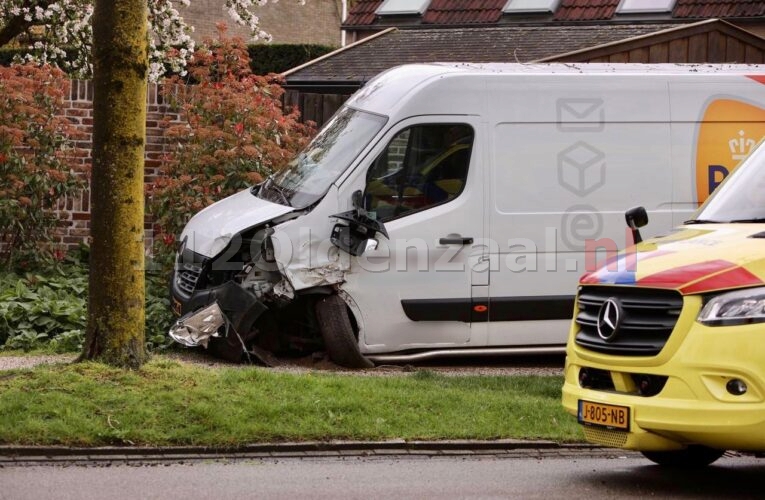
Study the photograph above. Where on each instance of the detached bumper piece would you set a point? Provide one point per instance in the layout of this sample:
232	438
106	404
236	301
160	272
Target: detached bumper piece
196	328
227	312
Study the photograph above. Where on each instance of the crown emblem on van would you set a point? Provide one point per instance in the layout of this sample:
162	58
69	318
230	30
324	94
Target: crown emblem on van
727	132
741	146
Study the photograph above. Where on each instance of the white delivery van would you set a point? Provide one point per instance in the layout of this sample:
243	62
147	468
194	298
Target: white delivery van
449	209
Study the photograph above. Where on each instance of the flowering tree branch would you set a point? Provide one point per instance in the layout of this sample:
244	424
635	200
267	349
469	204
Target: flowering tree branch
18	24
59	32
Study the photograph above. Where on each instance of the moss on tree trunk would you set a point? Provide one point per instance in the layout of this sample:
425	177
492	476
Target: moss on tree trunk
115	333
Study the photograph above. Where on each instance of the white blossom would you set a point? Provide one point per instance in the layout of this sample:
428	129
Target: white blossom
66	23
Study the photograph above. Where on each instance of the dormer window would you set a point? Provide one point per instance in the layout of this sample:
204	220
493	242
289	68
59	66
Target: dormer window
645	6
396	7
525	6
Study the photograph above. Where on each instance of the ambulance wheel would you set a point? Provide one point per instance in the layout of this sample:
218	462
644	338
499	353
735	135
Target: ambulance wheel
339	339
692	456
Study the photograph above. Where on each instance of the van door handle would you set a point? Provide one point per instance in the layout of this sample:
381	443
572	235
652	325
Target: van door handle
456	240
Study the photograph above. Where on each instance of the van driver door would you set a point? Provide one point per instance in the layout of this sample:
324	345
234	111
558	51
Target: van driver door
424	182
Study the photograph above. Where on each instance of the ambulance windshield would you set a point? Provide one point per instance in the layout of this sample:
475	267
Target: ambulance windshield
741	198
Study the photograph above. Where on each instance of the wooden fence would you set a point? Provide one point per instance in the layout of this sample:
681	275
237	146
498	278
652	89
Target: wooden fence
317	108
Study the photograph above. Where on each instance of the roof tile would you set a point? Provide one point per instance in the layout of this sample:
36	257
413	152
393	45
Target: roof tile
463	11
480	45
451	12
585	10
363	13
718	8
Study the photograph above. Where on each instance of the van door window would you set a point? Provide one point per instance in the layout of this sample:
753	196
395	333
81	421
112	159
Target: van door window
423	166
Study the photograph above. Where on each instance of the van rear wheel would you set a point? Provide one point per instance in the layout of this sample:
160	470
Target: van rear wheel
336	330
692	456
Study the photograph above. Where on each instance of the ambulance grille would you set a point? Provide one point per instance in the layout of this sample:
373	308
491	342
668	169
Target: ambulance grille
648	317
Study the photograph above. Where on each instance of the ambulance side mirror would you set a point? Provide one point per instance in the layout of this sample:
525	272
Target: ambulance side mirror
636	218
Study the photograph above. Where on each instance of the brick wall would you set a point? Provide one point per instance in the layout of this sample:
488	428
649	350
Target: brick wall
317	22
75	213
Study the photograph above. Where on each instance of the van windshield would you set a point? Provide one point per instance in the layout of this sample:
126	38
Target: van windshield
306	179
741	198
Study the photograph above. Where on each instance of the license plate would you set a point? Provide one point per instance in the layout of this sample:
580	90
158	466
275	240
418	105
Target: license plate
176	306
612	416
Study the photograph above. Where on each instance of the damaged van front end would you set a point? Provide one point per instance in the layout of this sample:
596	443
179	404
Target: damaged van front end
250	275
222	278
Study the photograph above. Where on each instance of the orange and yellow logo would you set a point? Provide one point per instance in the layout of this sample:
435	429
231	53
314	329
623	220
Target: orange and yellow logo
729	131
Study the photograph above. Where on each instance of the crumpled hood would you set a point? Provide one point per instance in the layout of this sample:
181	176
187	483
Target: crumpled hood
693	259
210	230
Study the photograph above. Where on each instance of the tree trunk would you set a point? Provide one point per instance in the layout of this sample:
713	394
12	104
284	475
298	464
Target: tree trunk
115	333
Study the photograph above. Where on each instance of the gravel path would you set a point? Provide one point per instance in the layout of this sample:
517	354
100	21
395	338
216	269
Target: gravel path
526	365
13	362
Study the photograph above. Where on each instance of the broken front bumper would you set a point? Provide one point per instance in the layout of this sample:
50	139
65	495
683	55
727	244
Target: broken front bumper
208	311
196	328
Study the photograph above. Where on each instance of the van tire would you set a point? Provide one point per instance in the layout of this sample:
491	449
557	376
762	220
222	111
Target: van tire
690	457
336	330
226	348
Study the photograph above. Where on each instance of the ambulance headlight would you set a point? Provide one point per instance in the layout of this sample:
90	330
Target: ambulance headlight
735	308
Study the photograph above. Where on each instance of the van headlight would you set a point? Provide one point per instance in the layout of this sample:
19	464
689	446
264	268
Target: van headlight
735	308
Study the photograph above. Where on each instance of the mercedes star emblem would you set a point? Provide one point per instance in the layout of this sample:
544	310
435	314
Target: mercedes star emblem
609	319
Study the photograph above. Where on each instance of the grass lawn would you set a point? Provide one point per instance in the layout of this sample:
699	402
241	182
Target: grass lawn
169	403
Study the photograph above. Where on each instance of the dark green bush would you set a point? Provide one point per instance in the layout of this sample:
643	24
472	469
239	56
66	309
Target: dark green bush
7	55
38	308
49	309
159	316
265	58
277	58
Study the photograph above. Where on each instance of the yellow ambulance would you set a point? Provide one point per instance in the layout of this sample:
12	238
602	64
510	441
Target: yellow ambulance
666	353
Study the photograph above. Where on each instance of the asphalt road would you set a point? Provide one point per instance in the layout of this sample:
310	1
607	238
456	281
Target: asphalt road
422	477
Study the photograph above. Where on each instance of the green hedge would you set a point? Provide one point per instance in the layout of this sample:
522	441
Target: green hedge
6	56
277	58
271	58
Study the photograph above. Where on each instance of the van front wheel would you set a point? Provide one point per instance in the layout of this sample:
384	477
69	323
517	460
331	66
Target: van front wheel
336	330
692	456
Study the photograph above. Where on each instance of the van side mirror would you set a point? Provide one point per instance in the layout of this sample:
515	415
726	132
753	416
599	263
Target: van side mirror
636	218
355	232
353	239
357	199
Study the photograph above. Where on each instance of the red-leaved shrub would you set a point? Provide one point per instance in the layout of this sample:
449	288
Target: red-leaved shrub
39	164
233	133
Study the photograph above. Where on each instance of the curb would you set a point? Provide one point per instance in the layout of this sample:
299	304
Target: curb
312	449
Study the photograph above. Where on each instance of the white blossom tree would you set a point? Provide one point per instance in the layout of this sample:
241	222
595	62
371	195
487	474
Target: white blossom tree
47	29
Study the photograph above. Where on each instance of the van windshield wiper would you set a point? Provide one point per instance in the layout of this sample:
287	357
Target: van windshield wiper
701	221
274	187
